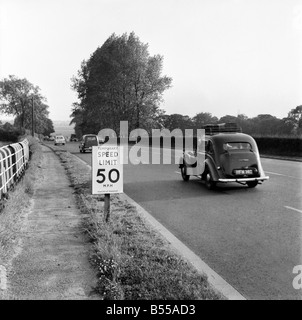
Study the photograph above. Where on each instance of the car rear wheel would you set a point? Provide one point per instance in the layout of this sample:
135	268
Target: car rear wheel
252	184
184	175
210	184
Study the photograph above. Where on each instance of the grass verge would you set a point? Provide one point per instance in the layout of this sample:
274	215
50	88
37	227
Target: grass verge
14	209
132	260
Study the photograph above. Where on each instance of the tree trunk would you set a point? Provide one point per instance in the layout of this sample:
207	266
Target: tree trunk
137	115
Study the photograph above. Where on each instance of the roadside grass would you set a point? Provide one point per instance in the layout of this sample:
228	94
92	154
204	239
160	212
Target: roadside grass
14	208
132	260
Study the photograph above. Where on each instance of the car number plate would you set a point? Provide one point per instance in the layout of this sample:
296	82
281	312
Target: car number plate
243	172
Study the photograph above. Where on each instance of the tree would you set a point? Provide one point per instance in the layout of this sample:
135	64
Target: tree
178	121
78	120
203	118
48	127
228	118
266	125
296	114
42	123
120	81
295	119
243	121
17	96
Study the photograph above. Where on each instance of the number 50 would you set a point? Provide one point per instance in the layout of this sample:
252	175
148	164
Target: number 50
103	177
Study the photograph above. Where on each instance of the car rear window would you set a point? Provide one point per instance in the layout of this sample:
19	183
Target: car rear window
237	146
90	138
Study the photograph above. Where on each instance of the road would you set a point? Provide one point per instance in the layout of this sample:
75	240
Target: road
251	237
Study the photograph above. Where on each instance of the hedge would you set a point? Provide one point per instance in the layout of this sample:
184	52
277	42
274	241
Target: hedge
11	135
280	146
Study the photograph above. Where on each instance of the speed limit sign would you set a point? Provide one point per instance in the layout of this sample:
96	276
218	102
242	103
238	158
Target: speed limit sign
107	169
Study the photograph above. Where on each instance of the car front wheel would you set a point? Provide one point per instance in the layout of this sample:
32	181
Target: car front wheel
210	184
184	175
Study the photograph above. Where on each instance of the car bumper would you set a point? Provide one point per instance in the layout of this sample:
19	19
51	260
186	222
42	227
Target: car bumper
243	179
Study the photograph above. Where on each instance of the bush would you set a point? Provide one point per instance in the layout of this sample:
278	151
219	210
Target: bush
10	133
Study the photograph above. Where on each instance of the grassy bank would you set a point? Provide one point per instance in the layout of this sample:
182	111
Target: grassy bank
132	260
13	211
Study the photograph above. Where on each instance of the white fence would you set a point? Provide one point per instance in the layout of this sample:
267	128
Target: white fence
13	162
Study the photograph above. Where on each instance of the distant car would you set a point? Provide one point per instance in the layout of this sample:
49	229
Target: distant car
73	137
225	155
59	140
51	138
88	141
101	140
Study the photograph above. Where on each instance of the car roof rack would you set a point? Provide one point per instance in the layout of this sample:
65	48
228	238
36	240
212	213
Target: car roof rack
229	127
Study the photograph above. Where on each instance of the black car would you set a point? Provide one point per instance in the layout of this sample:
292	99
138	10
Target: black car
73	138
88	141
224	155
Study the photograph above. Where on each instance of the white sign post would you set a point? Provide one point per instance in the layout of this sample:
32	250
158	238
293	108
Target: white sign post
107	173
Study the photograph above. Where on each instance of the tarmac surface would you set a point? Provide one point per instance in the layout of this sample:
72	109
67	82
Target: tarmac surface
51	262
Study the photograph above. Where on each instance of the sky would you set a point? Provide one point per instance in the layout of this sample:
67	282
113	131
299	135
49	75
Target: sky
224	56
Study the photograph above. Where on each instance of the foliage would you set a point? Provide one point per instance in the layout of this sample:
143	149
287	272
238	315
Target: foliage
120	81
177	121
42	123
17	97
295	118
47	127
262	125
265	124
10	133
204	118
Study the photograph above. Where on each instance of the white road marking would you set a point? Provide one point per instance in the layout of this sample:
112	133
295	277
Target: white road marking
3	279
291	208
283	175
278	174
